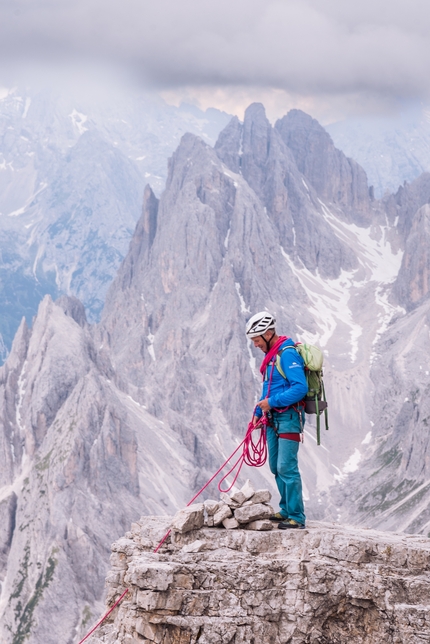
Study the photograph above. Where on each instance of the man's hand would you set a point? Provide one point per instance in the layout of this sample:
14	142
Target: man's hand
264	405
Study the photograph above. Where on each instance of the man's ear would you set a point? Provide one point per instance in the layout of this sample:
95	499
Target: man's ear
269	334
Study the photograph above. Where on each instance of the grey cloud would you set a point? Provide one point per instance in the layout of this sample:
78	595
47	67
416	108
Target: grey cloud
302	46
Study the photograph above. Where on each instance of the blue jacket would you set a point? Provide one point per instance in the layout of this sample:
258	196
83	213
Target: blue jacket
285	391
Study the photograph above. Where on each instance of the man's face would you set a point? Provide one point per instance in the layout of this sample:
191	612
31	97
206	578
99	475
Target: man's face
259	342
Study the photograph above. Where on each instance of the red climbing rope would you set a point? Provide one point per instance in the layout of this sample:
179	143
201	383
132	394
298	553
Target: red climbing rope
254	453
104	617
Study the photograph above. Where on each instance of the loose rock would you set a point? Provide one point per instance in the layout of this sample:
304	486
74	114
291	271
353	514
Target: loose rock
230	524
228	500
253	512
263	524
223	513
247	490
211	506
262	496
238	497
189	518
195	546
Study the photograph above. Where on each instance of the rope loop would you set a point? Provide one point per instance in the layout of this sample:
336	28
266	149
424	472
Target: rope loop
254	452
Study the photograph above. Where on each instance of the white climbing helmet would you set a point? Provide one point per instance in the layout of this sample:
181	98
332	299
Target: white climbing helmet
259	324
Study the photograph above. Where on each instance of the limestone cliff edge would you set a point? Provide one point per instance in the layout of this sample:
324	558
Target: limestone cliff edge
325	584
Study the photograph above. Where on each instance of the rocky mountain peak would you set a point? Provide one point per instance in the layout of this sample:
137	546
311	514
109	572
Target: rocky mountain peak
256	113
268	165
310	145
260	149
256	138
73	308
198	265
228	145
335	178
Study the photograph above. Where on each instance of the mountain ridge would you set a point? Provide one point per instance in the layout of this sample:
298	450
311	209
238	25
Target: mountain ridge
72	174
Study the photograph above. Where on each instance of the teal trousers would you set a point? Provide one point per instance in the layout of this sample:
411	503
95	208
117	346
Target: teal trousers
283	463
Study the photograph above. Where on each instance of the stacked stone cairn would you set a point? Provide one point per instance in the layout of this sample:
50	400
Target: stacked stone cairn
245	508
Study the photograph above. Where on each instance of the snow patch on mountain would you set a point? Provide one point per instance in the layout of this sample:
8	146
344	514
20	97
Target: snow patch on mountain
332	299
372	245
78	121
243	307
330	304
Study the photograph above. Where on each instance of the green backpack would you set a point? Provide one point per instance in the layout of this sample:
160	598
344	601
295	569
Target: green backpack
315	400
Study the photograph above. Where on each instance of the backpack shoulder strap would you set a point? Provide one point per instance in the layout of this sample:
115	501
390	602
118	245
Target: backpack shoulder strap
278	359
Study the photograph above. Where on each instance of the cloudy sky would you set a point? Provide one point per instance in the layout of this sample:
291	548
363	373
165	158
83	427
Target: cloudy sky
330	54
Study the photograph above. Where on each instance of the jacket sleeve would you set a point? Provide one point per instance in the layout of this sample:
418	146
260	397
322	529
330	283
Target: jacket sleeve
293	367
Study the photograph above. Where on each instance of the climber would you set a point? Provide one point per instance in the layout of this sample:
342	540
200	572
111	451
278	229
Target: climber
280	403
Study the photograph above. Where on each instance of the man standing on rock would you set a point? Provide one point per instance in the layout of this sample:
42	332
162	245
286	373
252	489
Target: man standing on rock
279	401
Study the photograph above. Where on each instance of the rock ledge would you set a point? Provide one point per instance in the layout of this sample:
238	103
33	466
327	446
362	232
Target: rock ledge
325	584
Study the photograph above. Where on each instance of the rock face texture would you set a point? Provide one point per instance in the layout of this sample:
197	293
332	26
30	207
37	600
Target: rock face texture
391	488
402	206
413	281
335	178
324	585
75	467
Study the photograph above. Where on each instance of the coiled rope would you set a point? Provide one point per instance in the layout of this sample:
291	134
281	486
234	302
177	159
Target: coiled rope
254	454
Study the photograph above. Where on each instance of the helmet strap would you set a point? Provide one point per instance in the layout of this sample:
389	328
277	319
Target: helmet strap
268	341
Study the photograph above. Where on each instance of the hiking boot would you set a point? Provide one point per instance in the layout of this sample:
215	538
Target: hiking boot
277	517
289	524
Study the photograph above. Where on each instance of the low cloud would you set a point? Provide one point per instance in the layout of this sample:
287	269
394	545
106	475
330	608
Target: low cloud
304	46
